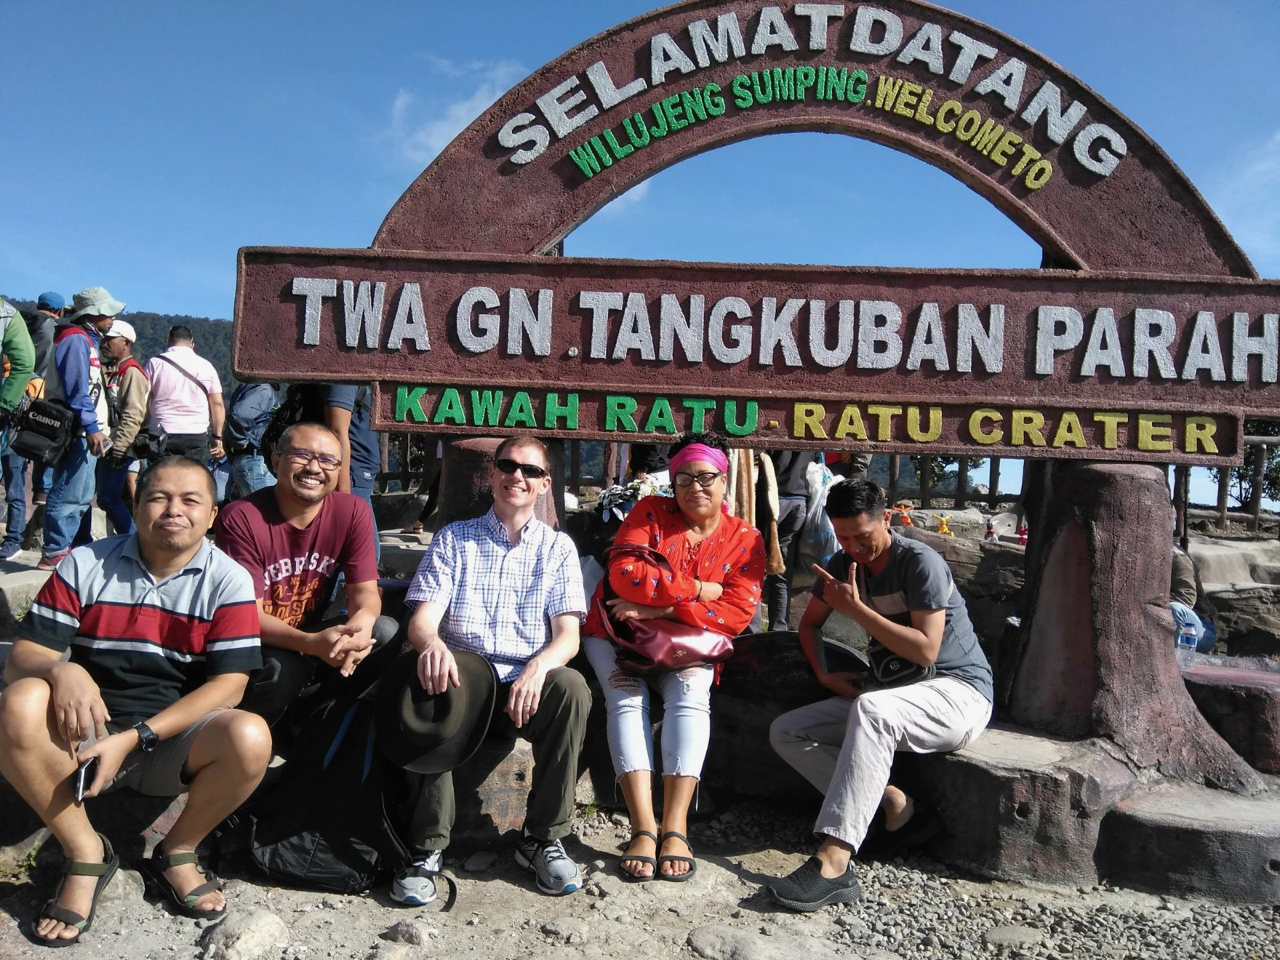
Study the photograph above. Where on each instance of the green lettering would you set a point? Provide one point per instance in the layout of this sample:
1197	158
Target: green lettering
748	426
856	91
601	152
450	410
638	125
555	410
521	412
660	418
741	88
712	98
695	108
585	159
671	110
485	407
765	94
409	404
619	412
805	78
700	410
620	150
661	130
784	83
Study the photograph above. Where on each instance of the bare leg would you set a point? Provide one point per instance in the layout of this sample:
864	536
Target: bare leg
637	790
898	808
835	855
677	795
228	759
35	760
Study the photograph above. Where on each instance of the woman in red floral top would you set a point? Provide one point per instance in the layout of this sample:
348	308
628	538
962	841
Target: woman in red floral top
719	566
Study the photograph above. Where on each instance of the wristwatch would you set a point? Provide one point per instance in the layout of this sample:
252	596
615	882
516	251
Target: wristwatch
147	739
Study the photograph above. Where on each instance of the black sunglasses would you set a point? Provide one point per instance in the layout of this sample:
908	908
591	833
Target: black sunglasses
531	471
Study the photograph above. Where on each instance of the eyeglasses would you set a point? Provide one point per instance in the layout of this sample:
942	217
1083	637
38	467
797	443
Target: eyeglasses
531	471
704	480
304	457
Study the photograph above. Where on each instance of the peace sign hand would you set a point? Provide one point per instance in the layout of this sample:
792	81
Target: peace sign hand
841	595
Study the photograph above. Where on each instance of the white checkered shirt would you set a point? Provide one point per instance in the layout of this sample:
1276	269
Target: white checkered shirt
500	597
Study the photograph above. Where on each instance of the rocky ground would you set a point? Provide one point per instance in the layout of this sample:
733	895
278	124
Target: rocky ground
912	909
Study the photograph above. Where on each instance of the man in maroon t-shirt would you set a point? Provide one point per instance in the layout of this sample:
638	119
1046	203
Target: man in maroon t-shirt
294	539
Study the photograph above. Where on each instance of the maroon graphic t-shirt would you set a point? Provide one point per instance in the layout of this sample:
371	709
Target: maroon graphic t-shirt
294	570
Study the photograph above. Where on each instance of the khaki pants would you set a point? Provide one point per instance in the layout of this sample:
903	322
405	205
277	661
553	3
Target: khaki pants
845	747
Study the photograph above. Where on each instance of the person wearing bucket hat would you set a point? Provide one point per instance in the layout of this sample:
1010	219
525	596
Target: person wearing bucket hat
507	587
76	381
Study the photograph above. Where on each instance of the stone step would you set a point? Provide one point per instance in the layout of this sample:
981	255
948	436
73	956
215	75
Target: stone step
1188	839
1243	706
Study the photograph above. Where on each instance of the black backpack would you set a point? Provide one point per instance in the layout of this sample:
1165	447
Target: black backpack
303	403
324	823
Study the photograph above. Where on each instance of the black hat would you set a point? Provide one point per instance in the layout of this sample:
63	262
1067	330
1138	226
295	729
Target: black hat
431	733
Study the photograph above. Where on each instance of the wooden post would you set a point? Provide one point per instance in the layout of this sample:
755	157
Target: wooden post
1181	485
1224	488
925	474
993	485
1255	498
962	484
574	480
405	447
384	444
895	465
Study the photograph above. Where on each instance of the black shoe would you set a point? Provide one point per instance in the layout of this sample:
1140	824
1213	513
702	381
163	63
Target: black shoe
806	889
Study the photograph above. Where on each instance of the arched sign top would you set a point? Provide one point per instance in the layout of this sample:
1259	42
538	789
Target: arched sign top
1058	159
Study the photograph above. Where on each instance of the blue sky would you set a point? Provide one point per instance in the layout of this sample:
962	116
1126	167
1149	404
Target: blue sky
172	134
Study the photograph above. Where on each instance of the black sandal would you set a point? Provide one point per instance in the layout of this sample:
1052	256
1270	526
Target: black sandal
635	877
104	871
153	869
672	858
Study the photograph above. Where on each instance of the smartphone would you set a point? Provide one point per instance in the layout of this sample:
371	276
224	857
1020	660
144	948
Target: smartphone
84	777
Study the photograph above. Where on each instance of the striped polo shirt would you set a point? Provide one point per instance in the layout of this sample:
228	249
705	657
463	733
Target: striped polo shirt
146	643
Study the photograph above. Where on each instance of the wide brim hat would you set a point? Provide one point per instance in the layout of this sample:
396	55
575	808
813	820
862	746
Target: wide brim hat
432	733
95	302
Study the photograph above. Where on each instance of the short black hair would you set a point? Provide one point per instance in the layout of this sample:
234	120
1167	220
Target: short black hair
713	440
283	443
173	460
180	333
523	440
850	498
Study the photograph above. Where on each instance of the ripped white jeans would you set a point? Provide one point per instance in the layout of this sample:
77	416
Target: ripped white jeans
686	718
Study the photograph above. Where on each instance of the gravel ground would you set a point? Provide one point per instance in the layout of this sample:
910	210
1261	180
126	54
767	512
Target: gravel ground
912	909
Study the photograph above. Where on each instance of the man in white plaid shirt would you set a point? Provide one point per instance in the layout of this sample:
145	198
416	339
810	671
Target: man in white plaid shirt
508	587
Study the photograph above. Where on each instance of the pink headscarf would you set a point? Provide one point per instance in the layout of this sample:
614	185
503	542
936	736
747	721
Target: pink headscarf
699	451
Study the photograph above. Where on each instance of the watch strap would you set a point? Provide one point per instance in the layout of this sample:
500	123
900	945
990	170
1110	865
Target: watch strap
147	739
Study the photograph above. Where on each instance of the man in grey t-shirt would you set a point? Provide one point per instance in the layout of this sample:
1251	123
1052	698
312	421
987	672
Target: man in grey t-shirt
902	593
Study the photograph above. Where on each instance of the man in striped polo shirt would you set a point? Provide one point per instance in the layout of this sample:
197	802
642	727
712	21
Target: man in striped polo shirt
163	633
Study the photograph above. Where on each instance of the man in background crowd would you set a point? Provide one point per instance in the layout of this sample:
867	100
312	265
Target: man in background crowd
76	380
127	393
247	417
186	399
19	358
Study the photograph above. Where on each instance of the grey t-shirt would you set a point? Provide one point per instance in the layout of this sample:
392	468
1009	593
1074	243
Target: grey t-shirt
917	578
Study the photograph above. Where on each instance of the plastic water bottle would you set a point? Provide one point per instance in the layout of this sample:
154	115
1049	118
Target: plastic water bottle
1186	645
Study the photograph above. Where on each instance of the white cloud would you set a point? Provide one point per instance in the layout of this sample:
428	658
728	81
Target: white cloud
1248	201
619	205
419	129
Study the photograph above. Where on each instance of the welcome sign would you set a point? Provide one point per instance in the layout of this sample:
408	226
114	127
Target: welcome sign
1155	348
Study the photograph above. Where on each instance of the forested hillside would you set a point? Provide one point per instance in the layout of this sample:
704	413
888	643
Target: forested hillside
213	337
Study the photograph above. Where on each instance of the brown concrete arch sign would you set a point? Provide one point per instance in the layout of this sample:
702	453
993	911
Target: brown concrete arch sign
467	330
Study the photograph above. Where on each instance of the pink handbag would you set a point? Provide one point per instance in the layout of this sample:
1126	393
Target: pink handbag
649	646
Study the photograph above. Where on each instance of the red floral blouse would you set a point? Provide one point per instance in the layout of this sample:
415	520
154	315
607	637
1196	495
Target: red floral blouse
732	556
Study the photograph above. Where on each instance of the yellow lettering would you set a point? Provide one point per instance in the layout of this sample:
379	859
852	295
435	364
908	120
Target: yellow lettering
851	424
1154	432
943	121
1000	153
1027	425
1199	435
906	105
808	419
922	111
884	414
977	429
1069	432
1029	153
1039	174
1110	424
913	425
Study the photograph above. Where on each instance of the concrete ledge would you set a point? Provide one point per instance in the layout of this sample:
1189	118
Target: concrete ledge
1016	805
1184	838
1243	706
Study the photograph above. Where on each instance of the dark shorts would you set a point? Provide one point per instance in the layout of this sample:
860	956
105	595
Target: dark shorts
162	772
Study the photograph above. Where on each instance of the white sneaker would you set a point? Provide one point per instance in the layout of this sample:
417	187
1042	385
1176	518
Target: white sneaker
554	871
415	885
